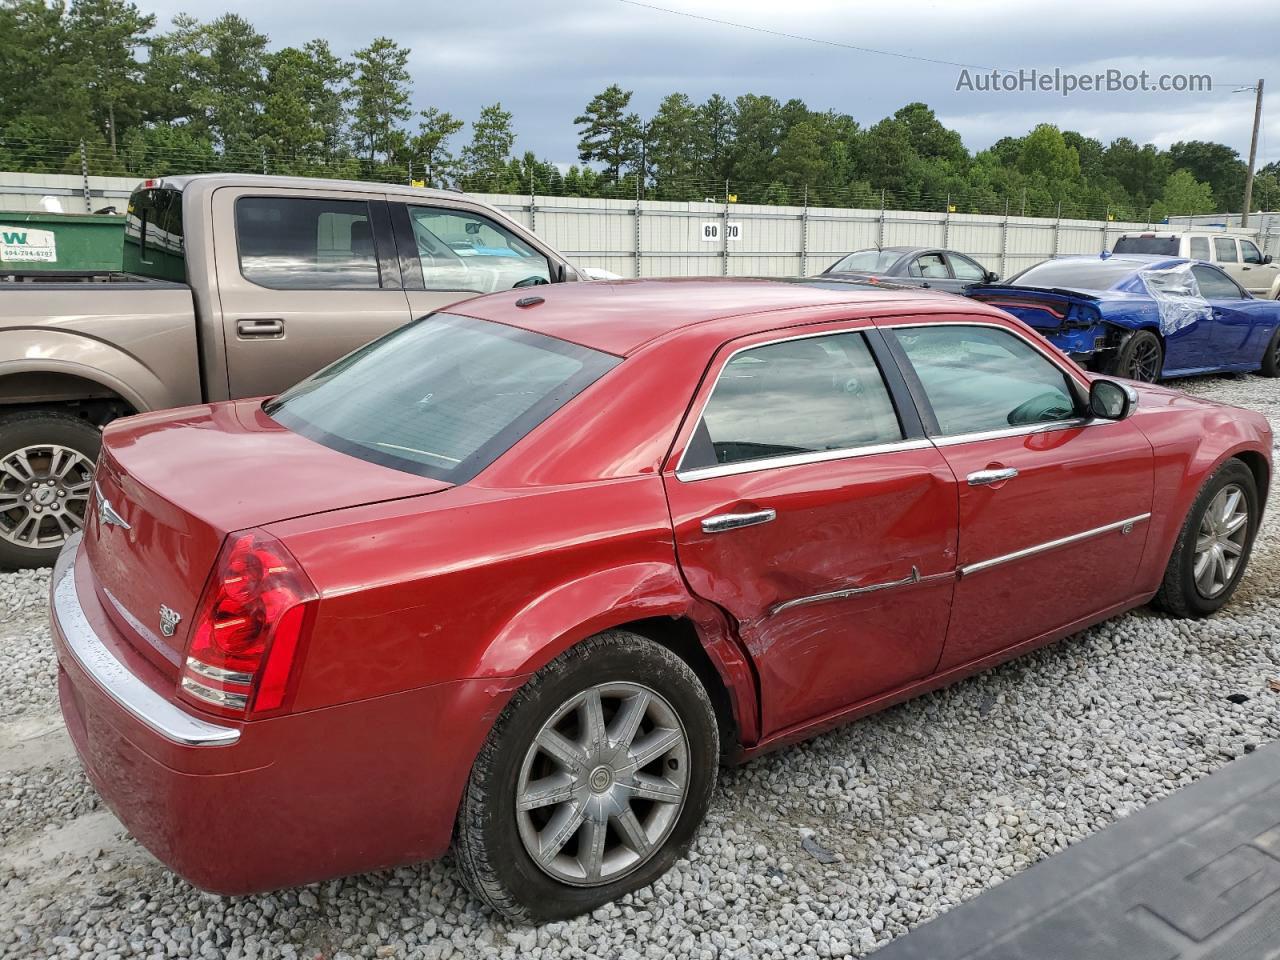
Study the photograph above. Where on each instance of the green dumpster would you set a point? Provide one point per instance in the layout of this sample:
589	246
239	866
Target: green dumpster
31	240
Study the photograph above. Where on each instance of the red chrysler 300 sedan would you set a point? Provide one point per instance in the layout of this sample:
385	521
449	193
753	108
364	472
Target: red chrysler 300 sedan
517	575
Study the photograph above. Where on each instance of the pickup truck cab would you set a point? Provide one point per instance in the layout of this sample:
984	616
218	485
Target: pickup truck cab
1238	256
233	286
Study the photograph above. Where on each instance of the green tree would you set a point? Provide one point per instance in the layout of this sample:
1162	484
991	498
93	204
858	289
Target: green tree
105	35
758	129
1215	164
486	157
430	147
676	149
800	162
232	80
717	119
609	135
1183	195
304	111
381	91
1045	154
927	136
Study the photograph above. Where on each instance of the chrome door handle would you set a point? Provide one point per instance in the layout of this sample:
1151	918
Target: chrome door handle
732	521
981	478
259	328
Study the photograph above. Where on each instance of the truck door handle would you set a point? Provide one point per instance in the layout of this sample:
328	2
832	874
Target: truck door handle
982	478
732	521
259	328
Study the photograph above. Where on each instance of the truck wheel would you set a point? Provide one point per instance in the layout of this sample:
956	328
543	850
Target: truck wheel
1213	546
592	782
1271	359
1140	357
46	476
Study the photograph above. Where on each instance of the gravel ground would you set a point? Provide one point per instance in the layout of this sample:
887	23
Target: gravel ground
830	848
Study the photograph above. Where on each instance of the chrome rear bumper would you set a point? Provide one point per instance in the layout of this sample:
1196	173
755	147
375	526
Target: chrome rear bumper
117	680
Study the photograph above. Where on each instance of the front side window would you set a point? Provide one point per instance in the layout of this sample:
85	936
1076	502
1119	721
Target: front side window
1200	248
463	251
812	395
931	266
306	243
1250	253
966	269
980	378
1214	284
1224	250
443	397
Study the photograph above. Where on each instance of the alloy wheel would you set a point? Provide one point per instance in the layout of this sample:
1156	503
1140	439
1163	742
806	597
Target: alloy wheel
44	493
1220	541
602	784
1145	363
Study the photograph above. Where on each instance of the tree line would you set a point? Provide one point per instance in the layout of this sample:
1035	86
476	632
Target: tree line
214	95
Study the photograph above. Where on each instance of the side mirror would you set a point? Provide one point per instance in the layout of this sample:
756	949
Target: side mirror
1109	400
991	277
1266	258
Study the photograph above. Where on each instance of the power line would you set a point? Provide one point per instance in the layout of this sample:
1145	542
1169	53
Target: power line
797	36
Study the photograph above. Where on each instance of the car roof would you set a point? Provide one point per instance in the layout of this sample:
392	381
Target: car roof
620	316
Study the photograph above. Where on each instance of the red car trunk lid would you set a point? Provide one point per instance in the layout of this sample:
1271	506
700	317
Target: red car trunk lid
172	485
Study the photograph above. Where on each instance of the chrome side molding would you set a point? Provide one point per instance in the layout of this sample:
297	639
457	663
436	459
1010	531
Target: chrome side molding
1125	526
732	521
912	578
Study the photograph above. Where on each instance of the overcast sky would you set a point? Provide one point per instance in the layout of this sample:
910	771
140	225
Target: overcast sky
543	59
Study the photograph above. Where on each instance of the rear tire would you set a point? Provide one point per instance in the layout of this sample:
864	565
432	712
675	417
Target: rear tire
1140	357
1209	558
1271	359
595	837
46	474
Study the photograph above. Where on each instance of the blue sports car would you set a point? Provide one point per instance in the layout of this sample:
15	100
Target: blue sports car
1143	317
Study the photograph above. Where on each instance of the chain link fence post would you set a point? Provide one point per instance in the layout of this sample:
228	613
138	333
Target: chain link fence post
1004	240
804	235
880	227
1057	229
724	233
84	178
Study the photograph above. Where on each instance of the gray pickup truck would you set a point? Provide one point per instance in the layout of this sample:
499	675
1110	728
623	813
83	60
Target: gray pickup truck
233	286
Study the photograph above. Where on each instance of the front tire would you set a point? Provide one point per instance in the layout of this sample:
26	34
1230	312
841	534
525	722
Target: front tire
1271	359
46	475
1213	547
592	783
1140	357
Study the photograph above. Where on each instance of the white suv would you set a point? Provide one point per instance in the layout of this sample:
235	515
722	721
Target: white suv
1238	256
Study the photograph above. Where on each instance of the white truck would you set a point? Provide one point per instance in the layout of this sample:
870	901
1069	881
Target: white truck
1236	253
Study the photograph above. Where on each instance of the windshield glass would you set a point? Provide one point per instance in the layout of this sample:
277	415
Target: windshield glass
443	397
1083	274
867	261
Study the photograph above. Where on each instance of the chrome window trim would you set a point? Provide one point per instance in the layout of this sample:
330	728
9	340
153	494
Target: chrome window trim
798	459
908	581
120	683
1048	427
795	459
1127	524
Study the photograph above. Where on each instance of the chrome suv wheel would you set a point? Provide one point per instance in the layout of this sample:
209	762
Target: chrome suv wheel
592	782
1221	541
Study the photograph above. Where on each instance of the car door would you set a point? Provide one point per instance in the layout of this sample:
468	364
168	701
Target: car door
1232	333
304	277
1256	276
453	252
1054	508
1226	254
808	505
931	268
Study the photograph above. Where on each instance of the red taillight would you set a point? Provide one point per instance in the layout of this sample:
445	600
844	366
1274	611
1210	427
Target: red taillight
248	627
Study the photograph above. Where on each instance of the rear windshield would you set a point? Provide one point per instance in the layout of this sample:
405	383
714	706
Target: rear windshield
1085	274
153	239
443	397
1161	246
867	261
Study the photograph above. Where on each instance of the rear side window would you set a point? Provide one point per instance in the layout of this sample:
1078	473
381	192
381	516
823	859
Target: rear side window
443	397
153	236
1224	249
1200	248
306	243
1163	246
981	378
813	395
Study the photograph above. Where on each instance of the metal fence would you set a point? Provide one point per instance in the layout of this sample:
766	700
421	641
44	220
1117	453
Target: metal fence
653	238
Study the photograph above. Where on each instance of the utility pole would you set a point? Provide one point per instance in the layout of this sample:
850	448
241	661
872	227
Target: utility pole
1253	156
